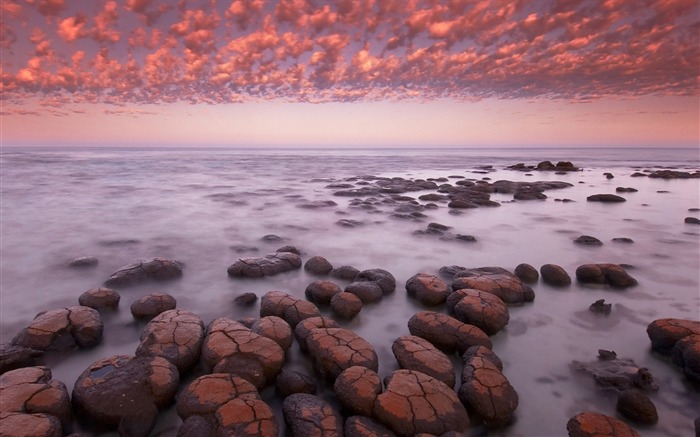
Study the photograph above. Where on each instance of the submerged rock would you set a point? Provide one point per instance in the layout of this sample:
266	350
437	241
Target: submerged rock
555	275
606	198
83	262
155	269
617	373
588	240
428	289
610	274
268	265
600	306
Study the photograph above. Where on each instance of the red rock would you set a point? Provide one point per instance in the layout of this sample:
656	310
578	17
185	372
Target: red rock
589	424
447	333
176	335
357	389
415	353
333	350
664	333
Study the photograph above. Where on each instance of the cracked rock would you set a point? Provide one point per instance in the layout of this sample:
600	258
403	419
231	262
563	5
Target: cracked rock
362	426
495	280
590	424
447	333
62	330
155	269
381	277
289	308
100	298
357	389
309	415
333	350
481	309
152	304
428	289
267	265
304	328
321	292
415	353
274	328
176	335
487	392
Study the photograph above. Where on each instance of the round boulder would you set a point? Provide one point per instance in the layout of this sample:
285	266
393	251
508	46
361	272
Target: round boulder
346	273
357	388
156	269
321	292
590	424
306	326
555	275
381	277
346	305
333	350
487	392
664	333
447	333
368	292
587	240
100	298
176	335
268	265
290	381
309	415
527	273
428	289
483	310
318	265
686	355
610	274
152	304
483	353
415	353
636	406
83	262
606	198
274	328
496	280
62	330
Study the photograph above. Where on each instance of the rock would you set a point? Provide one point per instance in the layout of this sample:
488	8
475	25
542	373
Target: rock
637	407
152	304
381	277
587	240
229	404
368	292
481	309
428	289
154	269
346	305
195	426
416	353
291	309
304	328
346	273
626	190
545	165
606	198
487	392
100	298
447	333
692	220
31	398
357	388
461	204
245	299
415	403
83	262
362	426
484	353
268	265
333	350
274	328
289	249
673	174
309	415
495	280
608	175
664	333
125	391
555	275
243	249
349	223
321	292
623	240
529	193
318	265
590	424
271	238
617	374
610	274
62	330
290	381
527	273
176	335
15	357
317	204
600	306
230	347
686	355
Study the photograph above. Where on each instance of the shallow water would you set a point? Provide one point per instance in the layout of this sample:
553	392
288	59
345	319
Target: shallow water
195	205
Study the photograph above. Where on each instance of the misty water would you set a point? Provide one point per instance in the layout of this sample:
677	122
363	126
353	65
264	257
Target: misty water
197	206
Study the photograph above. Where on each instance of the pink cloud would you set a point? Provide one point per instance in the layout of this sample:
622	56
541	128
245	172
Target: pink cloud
72	28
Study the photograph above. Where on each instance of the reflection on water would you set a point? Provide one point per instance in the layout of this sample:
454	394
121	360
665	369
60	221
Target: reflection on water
208	208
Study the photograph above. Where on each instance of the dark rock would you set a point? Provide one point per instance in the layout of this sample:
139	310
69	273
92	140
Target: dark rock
318	265
357	388
152	304
529	193
125	391
368	292
487	392
415	403
309	415
62	330
333	350
289	249
439	227
416	353
606	198
686	355
428	289
600	306
673	174
608	175
447	333
495	280
665	333
245	299
317	204
244	249
306	326
362	426
545	165
462	204
555	275
527	273
623	240
290	382
692	220
268	265
626	190
484	353
617	374
321	292
275	328
346	305
291	309
83	261
271	238
381	277
155	269
29	425
587	240
637	407
590	424
346	273
176	335
481	309
195	426
100	298
610	274
15	357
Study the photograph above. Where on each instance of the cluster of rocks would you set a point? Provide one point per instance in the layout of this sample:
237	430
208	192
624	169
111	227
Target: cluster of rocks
613	275
561	166
443	233
680	339
667	174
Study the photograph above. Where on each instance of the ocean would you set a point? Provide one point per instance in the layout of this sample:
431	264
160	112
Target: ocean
200	206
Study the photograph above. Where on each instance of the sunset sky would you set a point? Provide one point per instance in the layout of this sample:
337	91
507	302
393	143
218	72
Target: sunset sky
371	73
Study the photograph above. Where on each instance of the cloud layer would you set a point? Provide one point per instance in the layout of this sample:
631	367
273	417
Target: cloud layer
149	51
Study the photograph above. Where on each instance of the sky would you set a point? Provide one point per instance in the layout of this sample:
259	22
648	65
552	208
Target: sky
350	73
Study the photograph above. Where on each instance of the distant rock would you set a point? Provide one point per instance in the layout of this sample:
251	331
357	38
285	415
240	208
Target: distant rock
587	240
626	190
268	265
155	269
83	262
610	274
495	280
605	198
100	298
692	220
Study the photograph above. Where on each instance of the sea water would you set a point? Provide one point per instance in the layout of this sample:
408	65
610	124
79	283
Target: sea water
199	205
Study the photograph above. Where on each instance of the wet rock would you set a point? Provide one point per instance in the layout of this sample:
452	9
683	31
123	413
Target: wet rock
590	424
601	307
290	381
637	407
291	309
381	277
608	175
289	249
555	275
415	403
529	193
83	262
333	350
673	174
605	198
152	304
318	265
309	415
274	328
100	298
243	249
428	289
154	269
362	426
346	273
483	353
487	392
623	240
495	280
229	404
321	292
245	299
447	333
610	274
481	309
231	347
357	388
692	220
415	353
346	305
367	291
268	265
462	204
349	223
15	357
618	374
304	328
587	240
126	391
29	397
62	330
176	335
195	426
271	238
527	273
626	190
686	355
